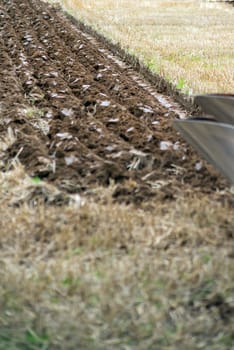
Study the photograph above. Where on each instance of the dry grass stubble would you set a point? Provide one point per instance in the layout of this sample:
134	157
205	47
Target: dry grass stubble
113	277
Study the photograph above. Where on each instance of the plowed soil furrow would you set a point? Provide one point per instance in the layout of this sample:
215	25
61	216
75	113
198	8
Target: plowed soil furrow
49	83
79	118
117	84
52	43
11	92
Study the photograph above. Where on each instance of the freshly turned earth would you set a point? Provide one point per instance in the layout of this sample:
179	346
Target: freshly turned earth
80	118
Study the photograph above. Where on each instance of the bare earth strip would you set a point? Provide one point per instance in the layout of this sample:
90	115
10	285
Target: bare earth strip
114	234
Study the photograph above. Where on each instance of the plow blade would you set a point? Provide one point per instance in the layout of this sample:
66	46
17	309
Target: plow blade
212	135
219	106
214	141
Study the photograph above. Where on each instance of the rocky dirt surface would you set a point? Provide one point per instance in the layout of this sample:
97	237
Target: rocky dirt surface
79	117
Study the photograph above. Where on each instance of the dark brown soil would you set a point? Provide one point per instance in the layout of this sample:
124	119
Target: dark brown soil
80	119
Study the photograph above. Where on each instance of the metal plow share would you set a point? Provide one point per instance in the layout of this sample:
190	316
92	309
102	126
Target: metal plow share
212	135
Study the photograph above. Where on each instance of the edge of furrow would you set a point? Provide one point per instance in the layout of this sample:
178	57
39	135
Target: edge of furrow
157	81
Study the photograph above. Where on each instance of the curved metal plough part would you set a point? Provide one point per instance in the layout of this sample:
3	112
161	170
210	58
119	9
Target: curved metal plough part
219	106
212	135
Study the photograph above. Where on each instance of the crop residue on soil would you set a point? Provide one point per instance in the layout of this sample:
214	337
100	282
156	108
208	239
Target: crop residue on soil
79	119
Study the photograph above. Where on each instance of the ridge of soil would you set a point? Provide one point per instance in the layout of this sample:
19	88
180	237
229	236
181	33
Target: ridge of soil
79	118
158	82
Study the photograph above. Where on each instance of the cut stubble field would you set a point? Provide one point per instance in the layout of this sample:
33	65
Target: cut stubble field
114	234
190	43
